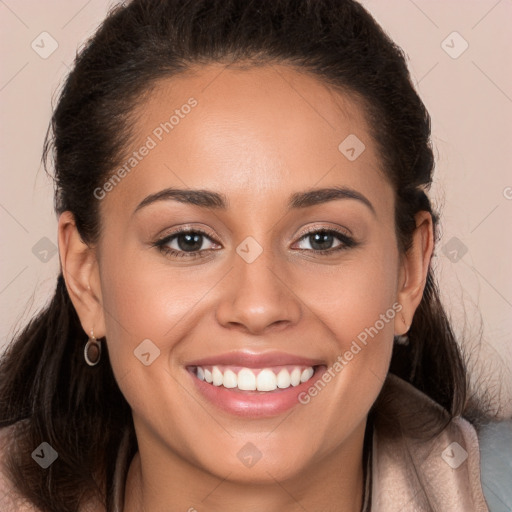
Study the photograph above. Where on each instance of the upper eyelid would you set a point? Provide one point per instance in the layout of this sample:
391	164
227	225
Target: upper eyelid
339	230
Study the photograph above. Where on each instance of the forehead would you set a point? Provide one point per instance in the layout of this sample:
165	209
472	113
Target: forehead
264	131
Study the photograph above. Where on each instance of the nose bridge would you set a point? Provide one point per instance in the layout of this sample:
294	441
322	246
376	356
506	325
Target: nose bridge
257	295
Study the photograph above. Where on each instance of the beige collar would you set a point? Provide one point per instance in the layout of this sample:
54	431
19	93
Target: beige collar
440	473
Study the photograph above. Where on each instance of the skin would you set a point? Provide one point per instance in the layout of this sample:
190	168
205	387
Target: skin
258	136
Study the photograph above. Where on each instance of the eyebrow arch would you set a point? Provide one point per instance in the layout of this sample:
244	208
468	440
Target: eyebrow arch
203	198
316	196
218	201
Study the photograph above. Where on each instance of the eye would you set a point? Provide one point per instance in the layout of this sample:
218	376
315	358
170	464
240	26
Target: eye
188	243
321	241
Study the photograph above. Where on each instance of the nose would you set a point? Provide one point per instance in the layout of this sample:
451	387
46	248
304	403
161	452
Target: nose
257	297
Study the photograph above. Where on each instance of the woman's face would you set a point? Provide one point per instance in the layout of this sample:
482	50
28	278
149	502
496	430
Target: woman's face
249	287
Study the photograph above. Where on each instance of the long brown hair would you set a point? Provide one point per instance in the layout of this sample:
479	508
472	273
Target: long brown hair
45	386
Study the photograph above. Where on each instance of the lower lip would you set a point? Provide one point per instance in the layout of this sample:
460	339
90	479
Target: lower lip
255	404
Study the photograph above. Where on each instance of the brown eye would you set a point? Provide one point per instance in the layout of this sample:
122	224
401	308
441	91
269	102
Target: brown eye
327	241
185	243
189	241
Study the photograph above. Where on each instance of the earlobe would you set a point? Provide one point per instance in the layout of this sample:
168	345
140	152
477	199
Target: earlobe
414	270
80	271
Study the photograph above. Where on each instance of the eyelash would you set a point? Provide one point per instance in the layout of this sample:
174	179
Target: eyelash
346	243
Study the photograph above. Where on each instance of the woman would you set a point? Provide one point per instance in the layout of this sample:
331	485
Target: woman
247	317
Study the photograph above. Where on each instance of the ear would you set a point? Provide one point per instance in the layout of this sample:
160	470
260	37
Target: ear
81	274
413	271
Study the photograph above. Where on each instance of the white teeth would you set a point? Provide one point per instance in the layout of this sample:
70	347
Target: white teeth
230	379
217	376
306	374
295	377
283	379
266	381
246	380
261	380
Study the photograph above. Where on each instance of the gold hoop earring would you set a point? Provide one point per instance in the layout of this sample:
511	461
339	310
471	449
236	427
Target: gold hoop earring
92	351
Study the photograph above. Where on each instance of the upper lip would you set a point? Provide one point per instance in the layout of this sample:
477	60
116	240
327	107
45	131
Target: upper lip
256	360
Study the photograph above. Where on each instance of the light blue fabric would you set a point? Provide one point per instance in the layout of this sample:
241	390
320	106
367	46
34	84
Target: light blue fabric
496	464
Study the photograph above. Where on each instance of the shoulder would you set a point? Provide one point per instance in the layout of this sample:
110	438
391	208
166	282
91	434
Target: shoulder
10	499
436	471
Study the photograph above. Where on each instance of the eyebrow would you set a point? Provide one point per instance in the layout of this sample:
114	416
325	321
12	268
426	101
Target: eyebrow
218	201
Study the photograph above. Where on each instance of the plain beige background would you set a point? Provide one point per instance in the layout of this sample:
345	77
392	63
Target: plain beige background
459	56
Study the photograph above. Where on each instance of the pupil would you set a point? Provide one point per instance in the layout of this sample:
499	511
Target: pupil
322	239
194	242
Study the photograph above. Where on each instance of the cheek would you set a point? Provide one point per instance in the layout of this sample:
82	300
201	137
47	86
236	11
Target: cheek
355	305
140	307
146	316
350	298
145	298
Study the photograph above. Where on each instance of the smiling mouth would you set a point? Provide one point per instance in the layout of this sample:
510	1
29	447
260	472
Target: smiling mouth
255	380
